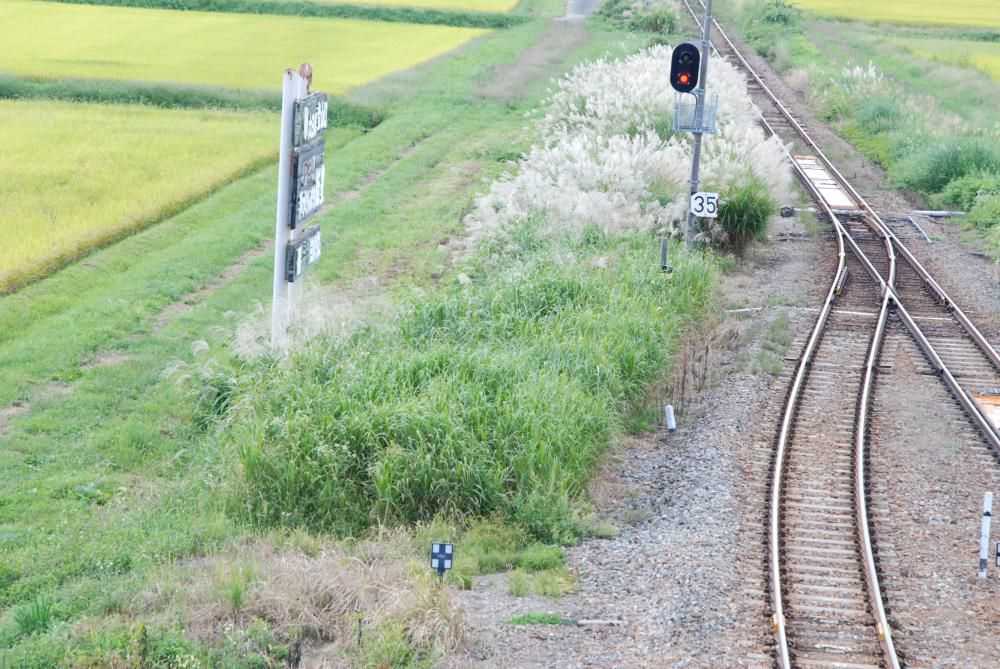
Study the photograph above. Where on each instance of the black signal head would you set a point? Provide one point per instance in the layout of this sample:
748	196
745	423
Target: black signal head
685	65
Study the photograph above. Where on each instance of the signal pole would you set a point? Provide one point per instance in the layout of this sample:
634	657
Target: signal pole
699	119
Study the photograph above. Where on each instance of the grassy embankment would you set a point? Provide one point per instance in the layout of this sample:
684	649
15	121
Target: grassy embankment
931	124
109	474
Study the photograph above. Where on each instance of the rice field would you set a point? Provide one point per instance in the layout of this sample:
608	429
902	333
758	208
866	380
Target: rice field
448	5
53	41
73	176
982	56
977	13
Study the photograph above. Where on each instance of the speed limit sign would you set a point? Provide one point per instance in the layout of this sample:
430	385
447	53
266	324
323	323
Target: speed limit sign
705	205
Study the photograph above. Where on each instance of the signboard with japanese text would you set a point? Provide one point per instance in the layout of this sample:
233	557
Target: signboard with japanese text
309	118
302	254
308	174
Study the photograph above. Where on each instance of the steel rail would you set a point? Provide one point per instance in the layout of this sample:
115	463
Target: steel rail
882	628
887	293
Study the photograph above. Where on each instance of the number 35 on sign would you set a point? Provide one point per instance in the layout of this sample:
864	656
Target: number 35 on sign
705	205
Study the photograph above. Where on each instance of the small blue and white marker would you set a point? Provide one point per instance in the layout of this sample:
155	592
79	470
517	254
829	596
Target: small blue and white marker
441	557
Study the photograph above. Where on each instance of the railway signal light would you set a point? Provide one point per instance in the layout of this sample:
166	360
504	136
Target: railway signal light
684	67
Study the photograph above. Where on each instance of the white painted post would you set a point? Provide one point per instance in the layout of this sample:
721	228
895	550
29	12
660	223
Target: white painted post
284	295
295	289
984	537
671	421
279	298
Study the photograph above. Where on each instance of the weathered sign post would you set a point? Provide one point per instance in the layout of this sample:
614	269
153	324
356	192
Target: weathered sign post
301	173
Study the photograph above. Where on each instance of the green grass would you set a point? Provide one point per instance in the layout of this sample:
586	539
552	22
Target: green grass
533	618
107	476
773	347
931	168
52	41
962	193
35	616
982	13
130	167
745	214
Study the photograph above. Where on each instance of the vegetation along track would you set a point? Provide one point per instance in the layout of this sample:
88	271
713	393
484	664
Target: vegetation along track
827	606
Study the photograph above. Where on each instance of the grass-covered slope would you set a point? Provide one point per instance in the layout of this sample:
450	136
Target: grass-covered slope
174	96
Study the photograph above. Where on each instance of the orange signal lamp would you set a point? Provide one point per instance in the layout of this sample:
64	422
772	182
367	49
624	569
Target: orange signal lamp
684	78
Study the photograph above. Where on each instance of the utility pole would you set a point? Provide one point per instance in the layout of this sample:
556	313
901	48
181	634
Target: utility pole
699	119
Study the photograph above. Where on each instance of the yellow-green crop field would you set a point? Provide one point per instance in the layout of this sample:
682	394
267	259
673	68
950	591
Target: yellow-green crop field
978	13
73	176
983	56
53	40
452	5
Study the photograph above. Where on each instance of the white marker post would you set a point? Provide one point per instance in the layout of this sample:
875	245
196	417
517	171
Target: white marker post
284	295
984	537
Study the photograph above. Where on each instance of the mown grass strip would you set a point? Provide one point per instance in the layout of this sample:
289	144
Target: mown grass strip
173	96
386	13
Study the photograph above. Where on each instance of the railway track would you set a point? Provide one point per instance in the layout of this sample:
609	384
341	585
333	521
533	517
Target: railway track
827	607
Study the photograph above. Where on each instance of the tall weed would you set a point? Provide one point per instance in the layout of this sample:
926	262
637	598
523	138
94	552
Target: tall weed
494	398
931	168
744	215
962	192
985	213
768	25
606	162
